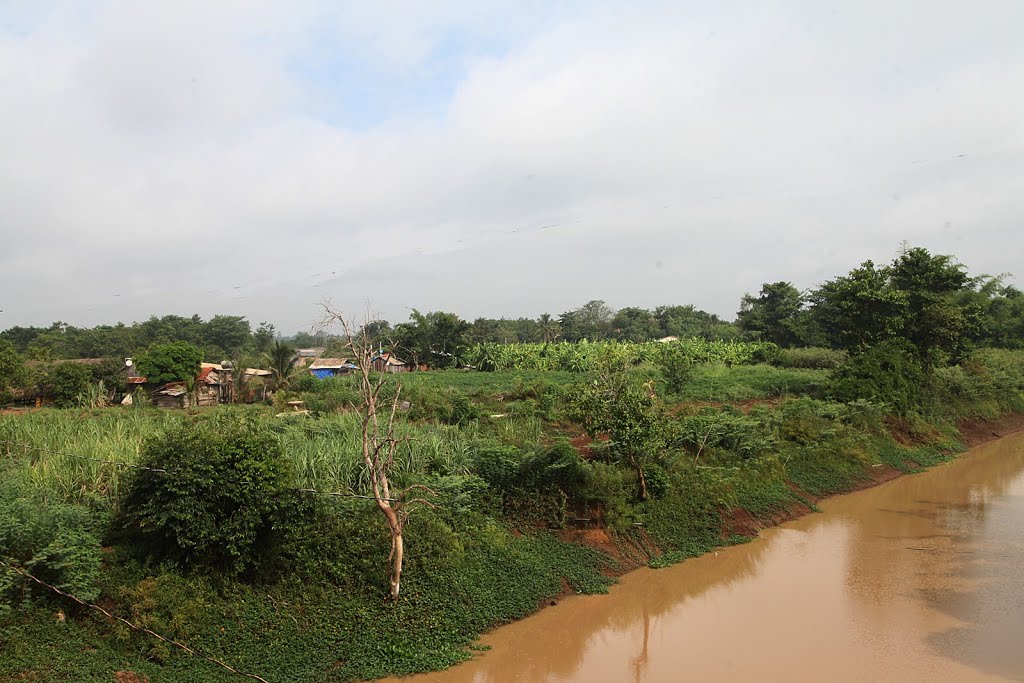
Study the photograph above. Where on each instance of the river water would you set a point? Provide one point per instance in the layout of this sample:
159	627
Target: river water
918	579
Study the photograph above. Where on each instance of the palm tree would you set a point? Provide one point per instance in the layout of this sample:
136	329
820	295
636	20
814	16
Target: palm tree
239	380
282	360
549	328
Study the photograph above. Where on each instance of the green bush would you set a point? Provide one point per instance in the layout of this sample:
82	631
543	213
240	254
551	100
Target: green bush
676	368
66	381
812	357
219	505
889	373
559	466
498	465
722	434
687	520
613	489
462	410
58	542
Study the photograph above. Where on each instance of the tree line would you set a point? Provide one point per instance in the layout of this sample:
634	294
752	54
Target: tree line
220	337
930	301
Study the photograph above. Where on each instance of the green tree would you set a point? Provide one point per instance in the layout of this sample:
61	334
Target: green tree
263	337
935	319
777	315
860	309
688	321
635	324
590	321
1002	312
227	334
65	382
218	511
170	362
378	331
918	297
550	329
306	340
21	337
437	338
12	370
617	405
281	361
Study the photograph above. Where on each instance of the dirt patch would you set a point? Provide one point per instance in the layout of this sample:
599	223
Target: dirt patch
129	677
977	432
693	407
582	445
900	430
745	523
627	553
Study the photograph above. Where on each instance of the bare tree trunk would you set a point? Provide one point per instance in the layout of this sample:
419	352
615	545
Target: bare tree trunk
397	554
640	476
379	445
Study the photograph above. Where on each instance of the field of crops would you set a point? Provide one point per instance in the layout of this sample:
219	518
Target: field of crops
581	356
78	456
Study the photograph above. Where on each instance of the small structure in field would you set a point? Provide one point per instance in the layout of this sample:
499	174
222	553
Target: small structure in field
212	385
172	395
307	356
322	368
387	362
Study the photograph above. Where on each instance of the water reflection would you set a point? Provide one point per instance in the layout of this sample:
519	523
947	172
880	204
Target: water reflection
913	580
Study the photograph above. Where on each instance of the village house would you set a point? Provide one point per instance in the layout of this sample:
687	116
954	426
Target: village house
322	368
387	362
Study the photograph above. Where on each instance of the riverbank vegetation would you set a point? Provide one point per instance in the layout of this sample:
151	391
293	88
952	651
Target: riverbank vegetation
547	468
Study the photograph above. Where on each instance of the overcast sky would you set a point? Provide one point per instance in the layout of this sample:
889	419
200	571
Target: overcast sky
488	158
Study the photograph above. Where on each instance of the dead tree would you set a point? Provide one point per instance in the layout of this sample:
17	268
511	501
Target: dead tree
378	415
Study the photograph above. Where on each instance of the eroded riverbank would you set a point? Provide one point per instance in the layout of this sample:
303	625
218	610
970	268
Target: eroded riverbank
916	579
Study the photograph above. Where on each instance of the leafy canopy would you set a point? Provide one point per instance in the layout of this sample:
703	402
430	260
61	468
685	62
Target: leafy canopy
174	361
215	508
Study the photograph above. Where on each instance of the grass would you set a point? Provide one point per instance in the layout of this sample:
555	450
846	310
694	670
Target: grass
717	382
511	382
325	453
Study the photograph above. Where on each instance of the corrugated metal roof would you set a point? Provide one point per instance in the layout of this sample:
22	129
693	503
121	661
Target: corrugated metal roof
330	363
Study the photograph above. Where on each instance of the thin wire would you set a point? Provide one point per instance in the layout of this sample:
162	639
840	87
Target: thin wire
83	457
342	494
18	570
16	445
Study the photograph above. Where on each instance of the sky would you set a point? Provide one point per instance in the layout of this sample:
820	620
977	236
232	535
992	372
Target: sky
493	158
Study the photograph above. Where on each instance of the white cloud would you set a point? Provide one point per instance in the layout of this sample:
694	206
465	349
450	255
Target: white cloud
162	152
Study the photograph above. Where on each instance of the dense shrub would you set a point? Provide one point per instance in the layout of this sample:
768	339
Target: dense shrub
66	381
676	368
612	490
724	433
559	466
58	542
815	358
890	372
218	503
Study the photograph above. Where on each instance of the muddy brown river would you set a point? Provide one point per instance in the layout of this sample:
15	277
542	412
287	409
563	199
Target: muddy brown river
918	579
